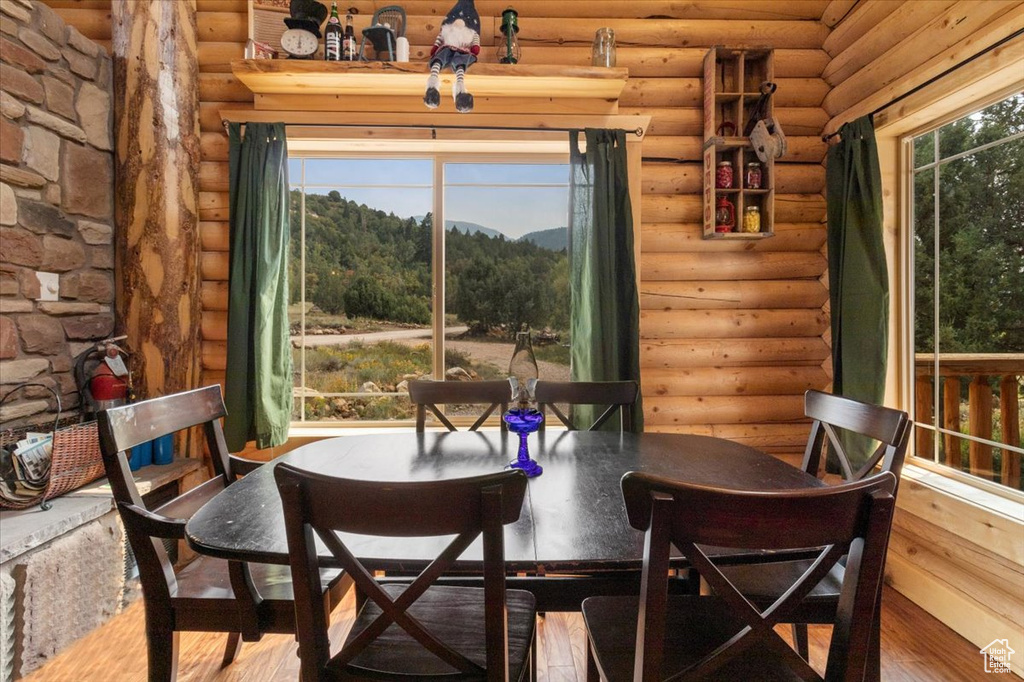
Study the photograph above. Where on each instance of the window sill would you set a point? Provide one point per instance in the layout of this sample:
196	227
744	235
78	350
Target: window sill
979	516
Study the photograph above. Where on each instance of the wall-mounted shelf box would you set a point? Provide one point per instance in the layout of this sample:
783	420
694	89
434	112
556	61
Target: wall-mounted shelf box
732	79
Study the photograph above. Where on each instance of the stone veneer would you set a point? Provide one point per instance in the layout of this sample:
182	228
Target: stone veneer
56	204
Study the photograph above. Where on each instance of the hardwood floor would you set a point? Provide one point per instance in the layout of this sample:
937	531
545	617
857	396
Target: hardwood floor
915	646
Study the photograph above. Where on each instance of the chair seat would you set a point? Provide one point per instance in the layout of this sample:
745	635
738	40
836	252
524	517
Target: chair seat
764	583
694	627
456	616
208	578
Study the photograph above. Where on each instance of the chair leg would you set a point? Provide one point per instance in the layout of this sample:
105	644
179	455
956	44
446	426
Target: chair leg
873	668
800	640
234	645
592	673
162	647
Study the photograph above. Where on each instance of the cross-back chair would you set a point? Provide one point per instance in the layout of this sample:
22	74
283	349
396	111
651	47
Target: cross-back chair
832	416
209	595
724	636
427	395
419	630
613	395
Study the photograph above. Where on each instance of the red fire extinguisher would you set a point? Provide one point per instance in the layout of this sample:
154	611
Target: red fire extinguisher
103	377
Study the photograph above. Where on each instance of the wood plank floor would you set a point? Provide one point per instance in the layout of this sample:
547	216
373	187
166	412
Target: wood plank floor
915	646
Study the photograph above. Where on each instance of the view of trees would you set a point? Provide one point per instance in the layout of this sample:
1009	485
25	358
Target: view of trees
981	243
368	263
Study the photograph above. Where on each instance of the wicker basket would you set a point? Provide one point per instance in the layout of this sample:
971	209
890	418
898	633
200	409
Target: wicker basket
75	458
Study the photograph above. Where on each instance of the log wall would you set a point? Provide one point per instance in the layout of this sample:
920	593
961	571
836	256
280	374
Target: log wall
955	550
732	333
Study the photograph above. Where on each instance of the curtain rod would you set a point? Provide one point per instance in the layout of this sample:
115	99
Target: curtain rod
638	131
918	88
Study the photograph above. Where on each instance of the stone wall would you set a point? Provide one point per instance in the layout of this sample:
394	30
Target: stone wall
56	205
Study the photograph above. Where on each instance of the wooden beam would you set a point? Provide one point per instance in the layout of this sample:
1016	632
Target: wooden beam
731	324
863	19
734	381
676	354
836	11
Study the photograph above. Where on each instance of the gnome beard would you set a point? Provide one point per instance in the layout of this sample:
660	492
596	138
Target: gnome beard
456	47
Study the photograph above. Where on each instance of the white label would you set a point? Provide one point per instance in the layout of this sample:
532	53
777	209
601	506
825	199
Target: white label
116	365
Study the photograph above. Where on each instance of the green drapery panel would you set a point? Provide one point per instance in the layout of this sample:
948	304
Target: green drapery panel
258	392
857	273
605	308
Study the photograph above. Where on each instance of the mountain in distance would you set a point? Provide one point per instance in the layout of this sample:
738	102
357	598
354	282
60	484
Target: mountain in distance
555	239
471	228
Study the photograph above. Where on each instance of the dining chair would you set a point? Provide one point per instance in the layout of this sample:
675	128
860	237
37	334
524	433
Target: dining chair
613	395
427	395
418	630
832	415
208	595
723	636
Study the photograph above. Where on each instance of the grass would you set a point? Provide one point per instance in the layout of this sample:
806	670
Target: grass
347	368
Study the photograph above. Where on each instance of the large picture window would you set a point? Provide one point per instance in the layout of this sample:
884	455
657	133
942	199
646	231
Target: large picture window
968	291
381	295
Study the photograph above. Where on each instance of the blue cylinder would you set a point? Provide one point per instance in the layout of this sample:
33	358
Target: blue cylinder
141	455
163	449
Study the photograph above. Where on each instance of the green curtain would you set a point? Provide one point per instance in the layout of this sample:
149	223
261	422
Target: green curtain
258	392
605	308
857	273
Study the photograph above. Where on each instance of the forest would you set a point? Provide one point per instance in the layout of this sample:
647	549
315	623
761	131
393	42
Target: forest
367	263
981	243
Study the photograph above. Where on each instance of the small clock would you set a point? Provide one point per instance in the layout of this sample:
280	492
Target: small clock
299	43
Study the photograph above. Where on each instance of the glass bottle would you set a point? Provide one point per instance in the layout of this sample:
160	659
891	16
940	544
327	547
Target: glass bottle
603	51
523	368
509	51
333	36
348	45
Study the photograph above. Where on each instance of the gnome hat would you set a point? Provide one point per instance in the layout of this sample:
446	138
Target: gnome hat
465	10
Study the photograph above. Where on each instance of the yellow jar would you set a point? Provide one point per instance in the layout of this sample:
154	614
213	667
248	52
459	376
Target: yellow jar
752	219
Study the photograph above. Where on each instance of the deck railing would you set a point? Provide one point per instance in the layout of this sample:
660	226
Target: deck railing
980	370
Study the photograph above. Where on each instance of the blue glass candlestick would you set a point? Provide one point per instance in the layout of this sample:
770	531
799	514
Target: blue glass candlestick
524	421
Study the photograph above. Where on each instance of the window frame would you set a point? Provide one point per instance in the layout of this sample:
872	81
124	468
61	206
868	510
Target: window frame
438	240
907	284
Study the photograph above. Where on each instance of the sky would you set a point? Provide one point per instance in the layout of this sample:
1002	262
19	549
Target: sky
531	197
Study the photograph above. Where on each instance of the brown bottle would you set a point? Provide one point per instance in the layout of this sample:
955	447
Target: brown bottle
348	45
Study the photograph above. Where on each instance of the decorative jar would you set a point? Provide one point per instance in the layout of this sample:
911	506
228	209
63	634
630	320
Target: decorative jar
724	175
752	219
754	175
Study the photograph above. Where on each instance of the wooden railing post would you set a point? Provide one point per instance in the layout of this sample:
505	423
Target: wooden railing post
924	410
1009	410
980	425
951	421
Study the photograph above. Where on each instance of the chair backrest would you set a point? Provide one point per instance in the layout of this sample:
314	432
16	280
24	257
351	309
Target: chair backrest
393	16
614	395
850	519
466	508
427	395
891	428
125	427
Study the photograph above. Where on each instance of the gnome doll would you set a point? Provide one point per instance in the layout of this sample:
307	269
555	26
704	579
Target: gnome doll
457	46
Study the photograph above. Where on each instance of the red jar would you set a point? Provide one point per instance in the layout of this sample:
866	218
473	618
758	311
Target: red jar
724	175
754	176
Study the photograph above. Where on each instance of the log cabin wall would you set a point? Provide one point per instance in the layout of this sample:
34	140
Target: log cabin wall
954	551
732	333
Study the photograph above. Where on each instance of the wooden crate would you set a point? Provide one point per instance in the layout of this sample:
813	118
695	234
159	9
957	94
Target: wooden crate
731	89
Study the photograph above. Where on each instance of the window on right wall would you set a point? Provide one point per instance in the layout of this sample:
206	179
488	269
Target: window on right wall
967	212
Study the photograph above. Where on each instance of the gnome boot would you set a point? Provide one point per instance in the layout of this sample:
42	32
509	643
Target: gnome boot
432	97
463	100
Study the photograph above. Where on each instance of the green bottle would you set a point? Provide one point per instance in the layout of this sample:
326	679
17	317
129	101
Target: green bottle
332	36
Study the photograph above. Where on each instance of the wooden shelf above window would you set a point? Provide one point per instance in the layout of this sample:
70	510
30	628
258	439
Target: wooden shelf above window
374	79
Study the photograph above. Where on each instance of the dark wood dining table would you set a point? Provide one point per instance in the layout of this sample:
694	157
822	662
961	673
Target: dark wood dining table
573	517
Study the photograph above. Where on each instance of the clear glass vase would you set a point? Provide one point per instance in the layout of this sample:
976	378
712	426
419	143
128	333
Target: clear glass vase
523	368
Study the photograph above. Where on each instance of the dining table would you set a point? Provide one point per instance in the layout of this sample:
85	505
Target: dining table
573	518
